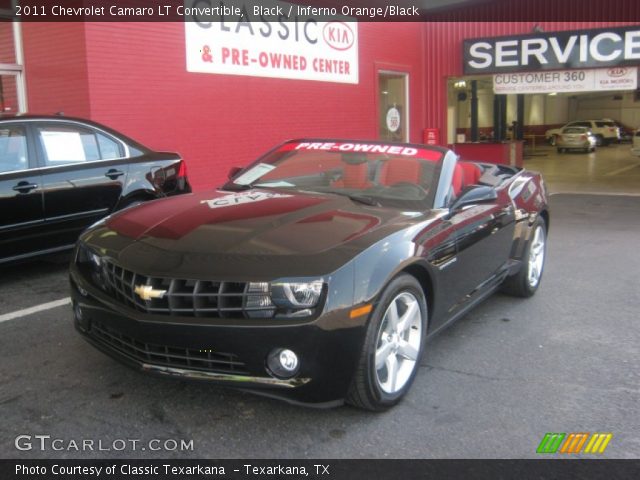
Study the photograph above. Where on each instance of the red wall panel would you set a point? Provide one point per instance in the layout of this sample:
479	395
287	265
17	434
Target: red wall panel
7	51
139	85
55	66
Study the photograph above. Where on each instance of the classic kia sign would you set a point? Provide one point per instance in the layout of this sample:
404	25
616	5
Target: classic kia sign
610	47
275	40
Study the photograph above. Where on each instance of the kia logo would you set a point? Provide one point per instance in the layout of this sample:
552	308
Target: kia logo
338	35
617	72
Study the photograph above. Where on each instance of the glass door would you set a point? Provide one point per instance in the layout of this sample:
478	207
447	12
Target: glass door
393	106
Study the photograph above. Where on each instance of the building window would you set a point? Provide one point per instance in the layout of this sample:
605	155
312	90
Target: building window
393	104
12	85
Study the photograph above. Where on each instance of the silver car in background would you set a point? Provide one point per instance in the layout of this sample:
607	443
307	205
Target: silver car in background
576	138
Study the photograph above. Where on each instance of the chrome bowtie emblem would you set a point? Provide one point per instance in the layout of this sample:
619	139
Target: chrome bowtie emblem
147	292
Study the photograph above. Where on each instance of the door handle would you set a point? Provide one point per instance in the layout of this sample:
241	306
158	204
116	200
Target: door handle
25	187
113	174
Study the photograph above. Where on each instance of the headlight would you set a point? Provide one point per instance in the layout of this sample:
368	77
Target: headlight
296	294
91	265
86	256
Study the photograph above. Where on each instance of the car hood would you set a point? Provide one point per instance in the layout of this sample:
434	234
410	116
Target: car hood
265	230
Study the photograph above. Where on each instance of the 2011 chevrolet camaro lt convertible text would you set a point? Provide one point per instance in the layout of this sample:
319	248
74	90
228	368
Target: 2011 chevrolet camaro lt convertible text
315	274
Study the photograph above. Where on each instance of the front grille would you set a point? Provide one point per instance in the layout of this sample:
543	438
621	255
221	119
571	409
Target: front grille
186	358
188	298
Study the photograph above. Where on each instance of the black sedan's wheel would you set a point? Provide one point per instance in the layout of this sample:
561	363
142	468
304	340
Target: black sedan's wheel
526	281
393	346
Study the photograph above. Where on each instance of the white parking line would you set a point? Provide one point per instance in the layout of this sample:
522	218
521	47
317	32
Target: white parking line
622	170
38	308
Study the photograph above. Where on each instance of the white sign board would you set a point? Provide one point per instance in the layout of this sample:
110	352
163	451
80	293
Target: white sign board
393	119
614	78
294	46
63	146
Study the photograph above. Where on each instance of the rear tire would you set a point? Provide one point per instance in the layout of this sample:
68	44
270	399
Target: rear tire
552	140
599	140
525	283
560	150
392	348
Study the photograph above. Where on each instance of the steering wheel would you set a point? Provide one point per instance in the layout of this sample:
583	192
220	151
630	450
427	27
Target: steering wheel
419	190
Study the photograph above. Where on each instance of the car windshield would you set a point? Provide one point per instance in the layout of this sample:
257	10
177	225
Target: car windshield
393	175
605	124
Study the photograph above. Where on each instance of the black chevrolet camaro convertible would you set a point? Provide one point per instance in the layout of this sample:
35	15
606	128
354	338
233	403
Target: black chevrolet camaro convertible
315	274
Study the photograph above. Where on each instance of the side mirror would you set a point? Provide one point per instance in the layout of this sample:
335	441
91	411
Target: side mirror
233	172
474	195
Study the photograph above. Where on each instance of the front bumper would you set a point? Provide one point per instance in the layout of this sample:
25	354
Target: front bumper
328	347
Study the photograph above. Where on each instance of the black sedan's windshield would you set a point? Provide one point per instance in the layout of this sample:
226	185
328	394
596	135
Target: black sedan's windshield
401	176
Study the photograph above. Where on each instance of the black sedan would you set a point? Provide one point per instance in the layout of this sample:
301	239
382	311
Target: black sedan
59	175
315	274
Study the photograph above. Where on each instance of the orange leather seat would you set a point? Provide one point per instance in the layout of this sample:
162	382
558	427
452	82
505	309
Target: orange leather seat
354	176
457	179
471	173
401	170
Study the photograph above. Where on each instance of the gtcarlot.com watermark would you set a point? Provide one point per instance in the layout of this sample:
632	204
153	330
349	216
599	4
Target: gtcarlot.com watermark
47	443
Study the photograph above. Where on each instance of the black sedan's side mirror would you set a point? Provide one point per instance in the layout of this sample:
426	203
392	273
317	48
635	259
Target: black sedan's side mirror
233	172
474	195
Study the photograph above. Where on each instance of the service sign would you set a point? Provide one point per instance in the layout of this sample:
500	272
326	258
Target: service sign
598	48
273	39
614	78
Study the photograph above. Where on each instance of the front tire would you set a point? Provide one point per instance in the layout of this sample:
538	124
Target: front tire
392	348
525	283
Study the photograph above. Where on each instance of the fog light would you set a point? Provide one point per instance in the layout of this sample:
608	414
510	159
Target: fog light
77	311
82	320
283	363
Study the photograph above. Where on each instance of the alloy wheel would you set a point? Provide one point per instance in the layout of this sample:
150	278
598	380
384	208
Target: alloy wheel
536	257
398	343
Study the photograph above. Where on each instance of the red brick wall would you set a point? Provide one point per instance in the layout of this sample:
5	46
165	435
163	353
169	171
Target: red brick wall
55	68
7	52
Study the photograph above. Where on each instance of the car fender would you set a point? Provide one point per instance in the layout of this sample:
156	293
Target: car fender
384	260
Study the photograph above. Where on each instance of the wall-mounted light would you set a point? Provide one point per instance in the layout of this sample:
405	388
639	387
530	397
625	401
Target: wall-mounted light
460	84
553	94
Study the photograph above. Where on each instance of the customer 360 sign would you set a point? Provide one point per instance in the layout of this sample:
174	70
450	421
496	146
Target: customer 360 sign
277	40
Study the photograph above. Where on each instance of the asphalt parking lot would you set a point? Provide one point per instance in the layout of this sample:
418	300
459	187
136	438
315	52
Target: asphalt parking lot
566	360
